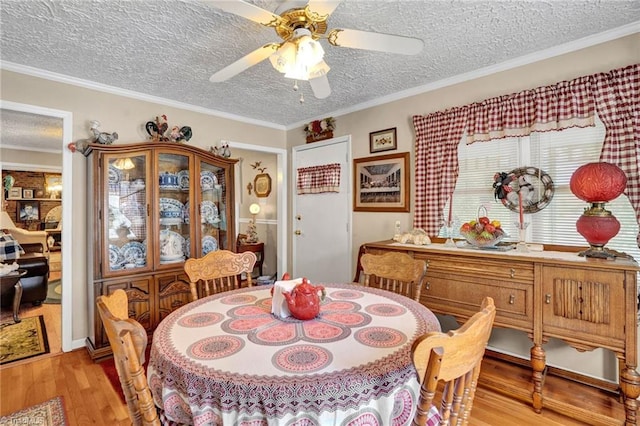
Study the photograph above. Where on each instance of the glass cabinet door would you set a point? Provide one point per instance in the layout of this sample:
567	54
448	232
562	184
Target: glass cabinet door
174	239
127	222
213	206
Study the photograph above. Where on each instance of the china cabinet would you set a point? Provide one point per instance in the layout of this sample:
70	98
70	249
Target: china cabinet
586	302
154	205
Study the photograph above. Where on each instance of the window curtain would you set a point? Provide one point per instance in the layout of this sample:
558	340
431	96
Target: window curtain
437	138
617	95
318	179
562	105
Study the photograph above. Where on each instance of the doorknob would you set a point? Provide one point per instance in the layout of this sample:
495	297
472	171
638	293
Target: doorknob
297	232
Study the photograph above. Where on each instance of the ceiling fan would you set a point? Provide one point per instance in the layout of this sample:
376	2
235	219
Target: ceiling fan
300	56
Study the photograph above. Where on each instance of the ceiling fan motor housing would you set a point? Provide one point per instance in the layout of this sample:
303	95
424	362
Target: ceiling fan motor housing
293	19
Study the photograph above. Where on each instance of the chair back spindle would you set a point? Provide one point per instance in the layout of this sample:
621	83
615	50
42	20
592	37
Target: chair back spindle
453	358
128	341
394	271
219	271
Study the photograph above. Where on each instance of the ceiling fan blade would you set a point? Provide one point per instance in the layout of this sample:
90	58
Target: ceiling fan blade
249	11
322	8
375	41
253	58
320	86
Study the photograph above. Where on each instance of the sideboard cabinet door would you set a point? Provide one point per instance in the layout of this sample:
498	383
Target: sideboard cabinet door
584	307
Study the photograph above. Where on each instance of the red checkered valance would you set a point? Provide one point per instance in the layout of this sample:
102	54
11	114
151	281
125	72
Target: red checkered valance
317	179
613	95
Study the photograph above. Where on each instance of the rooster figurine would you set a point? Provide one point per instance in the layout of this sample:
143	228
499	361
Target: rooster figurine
102	137
157	129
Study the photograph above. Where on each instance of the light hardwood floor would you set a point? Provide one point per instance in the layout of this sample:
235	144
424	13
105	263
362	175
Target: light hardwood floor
91	400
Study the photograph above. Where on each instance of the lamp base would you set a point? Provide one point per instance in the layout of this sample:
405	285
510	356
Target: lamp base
603	253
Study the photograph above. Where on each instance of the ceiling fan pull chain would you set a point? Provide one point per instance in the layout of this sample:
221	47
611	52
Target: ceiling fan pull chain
295	85
301	98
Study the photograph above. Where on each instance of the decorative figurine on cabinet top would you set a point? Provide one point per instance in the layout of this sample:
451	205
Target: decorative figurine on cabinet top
158	131
102	137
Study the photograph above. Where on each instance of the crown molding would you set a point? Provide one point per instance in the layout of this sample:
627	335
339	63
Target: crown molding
541	55
61	78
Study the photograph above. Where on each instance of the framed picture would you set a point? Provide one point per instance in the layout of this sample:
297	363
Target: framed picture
28	211
262	185
15	193
27	193
53	184
381	184
383	140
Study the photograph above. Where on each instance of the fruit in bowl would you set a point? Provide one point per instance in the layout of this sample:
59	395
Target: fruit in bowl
482	232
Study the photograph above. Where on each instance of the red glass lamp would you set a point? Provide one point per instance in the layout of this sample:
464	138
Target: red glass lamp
598	183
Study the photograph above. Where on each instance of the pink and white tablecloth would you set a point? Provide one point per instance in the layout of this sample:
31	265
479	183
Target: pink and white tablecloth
226	359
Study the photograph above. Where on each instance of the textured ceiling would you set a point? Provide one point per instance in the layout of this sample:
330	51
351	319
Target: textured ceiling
169	49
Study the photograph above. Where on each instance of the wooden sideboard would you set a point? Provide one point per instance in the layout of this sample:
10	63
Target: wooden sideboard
588	303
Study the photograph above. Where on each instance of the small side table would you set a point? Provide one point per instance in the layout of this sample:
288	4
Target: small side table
12	280
258	249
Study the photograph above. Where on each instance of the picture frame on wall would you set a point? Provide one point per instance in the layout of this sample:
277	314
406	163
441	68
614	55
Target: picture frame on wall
27	193
262	185
15	193
381	183
383	140
28	211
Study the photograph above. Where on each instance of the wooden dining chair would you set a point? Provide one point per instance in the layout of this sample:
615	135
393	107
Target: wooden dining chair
453	358
394	271
219	271
128	341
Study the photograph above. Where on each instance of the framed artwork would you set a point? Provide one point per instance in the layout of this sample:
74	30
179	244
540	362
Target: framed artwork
53	184
28	211
262	185
381	184
383	140
27	193
15	193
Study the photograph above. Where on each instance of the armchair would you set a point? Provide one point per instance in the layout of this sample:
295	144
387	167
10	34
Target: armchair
36	279
23	236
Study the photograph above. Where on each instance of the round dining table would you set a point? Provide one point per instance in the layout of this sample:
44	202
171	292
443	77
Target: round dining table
227	360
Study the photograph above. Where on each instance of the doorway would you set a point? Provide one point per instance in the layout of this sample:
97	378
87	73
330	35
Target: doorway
322	222
57	146
280	188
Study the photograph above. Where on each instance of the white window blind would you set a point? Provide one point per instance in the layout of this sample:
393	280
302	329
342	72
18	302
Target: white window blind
558	154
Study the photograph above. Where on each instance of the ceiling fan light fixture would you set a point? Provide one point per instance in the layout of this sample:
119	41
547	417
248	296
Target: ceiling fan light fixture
306	61
320	69
309	52
296	57
284	58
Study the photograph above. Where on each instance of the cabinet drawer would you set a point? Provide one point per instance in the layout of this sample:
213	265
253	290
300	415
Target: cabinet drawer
461	296
481	267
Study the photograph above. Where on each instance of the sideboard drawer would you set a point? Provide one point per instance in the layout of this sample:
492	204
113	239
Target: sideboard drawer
461	296
481	267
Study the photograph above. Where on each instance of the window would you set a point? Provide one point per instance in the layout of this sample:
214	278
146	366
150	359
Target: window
557	153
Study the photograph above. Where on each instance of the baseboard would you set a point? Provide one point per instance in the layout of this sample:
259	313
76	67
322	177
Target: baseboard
558	372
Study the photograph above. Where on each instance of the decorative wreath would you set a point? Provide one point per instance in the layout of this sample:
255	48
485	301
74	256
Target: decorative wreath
535	186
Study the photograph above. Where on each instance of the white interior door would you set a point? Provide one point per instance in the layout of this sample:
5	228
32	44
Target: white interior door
322	222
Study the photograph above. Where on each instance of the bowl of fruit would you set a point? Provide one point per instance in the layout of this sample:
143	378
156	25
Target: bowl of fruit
482	232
